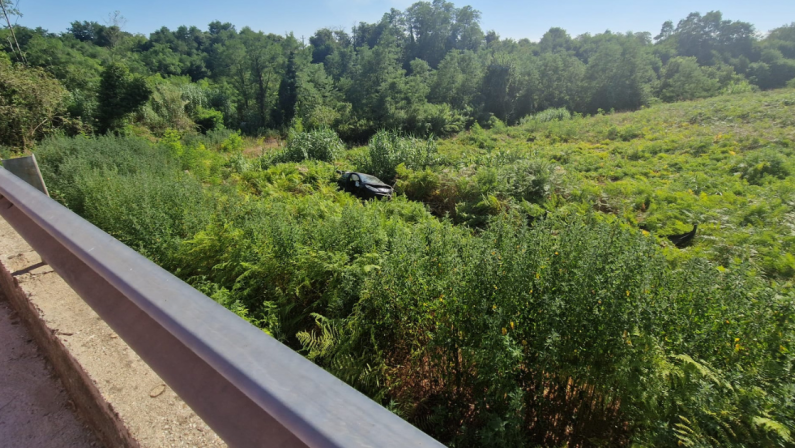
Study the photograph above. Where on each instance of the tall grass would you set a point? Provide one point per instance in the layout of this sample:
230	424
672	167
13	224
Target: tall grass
132	189
319	144
387	150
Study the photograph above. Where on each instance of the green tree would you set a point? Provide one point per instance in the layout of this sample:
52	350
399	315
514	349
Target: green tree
7	9
31	104
704	37
458	80
683	79
435	28
783	40
119	95
75	70
265	58
86	31
619	75
317	101
501	89
554	40
560	82
288	94
773	70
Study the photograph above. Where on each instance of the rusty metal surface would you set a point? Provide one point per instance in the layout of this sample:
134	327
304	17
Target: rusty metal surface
251	389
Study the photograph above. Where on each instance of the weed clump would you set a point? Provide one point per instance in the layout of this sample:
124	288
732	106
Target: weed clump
387	150
320	144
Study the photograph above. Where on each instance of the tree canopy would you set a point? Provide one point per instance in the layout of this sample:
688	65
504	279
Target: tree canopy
429	68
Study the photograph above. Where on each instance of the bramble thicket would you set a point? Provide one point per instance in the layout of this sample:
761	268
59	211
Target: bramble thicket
519	289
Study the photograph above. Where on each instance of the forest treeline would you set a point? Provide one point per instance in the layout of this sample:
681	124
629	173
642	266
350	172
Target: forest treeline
430	69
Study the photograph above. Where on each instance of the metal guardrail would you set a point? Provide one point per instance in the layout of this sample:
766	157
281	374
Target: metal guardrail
249	388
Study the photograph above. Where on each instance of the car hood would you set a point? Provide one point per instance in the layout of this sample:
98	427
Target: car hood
377	184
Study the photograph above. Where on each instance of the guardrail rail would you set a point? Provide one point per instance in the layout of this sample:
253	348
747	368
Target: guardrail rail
248	387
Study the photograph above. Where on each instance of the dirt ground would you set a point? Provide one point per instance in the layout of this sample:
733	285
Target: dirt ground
35	411
260	148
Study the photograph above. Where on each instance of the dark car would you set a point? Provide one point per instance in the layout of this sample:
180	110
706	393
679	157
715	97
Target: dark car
364	186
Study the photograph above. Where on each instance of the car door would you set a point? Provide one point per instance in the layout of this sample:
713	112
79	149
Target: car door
354	182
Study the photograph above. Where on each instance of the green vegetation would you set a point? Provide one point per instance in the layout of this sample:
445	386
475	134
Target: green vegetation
31	105
725	163
518	291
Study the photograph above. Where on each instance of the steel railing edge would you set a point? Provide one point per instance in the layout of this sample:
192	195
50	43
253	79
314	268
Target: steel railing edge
298	418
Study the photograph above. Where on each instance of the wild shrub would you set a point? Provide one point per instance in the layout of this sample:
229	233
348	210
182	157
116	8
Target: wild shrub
486	340
760	164
232	144
207	119
518	320
195	158
132	189
31	104
319	144
387	150
212	139
547	115
148	212
490	191
531	180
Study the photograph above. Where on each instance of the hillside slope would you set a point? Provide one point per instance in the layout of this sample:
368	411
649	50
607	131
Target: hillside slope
725	163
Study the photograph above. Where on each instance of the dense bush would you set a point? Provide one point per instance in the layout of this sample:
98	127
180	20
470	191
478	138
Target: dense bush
530	180
208	119
762	163
548	115
319	144
516	336
130	188
31	105
386	150
471	199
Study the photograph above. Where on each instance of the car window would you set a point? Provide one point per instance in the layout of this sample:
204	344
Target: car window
371	179
354	178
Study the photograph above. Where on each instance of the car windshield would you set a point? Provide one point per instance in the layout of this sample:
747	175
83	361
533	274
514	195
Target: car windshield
371	179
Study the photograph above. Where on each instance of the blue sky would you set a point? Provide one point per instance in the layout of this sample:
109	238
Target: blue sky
516	18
